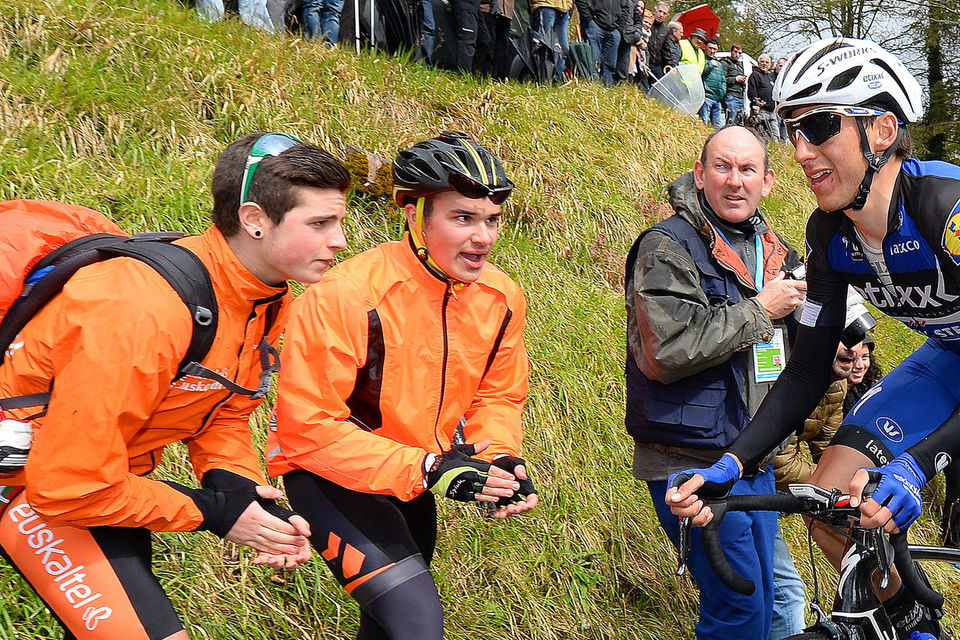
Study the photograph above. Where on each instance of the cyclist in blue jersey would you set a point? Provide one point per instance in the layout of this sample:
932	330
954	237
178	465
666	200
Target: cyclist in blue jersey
889	226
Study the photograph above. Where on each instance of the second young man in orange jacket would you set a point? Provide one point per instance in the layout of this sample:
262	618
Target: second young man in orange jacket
382	361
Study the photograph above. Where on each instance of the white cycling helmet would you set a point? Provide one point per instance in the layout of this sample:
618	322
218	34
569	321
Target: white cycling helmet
848	72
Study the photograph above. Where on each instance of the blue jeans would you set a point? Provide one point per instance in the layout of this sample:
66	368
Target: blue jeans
789	597
322	18
748	541
255	14
712	113
609	45
550	20
252	12
428	31
734	106
210	10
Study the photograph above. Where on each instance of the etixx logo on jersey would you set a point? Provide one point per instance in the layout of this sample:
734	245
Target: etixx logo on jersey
951	234
890	429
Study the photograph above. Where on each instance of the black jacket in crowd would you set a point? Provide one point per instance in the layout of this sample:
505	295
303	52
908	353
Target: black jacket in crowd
608	14
733	68
658	33
760	85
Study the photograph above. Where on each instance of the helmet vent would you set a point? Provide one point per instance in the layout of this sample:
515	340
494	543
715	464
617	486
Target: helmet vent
896	78
425	168
809	91
827	50
843	80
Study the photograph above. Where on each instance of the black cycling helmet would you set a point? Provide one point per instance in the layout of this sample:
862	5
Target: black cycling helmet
450	161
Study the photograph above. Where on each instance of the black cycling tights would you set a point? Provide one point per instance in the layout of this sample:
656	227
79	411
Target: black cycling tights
410	610
379	549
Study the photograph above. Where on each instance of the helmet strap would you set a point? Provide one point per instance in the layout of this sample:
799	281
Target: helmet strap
420	248
874	164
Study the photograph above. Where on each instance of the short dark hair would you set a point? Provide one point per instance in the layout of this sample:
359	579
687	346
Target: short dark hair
713	41
276	183
763	145
904	150
736	45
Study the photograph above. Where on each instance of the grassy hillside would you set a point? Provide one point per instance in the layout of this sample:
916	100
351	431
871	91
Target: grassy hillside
123	107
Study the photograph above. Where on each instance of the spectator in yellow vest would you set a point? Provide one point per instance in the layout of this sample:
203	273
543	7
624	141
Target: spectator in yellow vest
691	49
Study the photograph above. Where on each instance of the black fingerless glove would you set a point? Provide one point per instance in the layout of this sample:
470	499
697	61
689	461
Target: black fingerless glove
509	463
456	475
223	480
220	509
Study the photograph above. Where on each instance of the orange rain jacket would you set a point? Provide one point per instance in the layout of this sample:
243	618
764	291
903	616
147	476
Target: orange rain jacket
110	344
381	359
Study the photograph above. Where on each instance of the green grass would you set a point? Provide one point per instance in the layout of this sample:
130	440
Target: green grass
124	106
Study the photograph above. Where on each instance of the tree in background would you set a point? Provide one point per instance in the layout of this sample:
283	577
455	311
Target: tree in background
938	137
922	33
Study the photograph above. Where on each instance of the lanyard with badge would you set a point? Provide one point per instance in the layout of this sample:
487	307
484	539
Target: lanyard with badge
769	358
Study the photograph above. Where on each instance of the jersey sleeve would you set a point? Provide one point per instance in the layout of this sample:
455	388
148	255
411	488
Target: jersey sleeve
117	350
324	347
807	375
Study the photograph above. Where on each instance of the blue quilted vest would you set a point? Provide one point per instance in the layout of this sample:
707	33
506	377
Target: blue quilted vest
704	410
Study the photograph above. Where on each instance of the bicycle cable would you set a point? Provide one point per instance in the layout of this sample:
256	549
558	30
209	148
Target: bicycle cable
813	564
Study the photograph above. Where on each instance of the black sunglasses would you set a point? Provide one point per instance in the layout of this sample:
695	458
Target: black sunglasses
820	124
467	186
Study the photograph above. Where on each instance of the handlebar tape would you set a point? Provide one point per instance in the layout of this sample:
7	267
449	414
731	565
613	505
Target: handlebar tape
782	502
910	575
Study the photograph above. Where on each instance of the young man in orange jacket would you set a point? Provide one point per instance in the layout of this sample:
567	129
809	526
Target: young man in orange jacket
77	518
382	361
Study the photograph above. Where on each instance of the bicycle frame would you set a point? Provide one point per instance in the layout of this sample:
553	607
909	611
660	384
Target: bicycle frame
856	603
857	613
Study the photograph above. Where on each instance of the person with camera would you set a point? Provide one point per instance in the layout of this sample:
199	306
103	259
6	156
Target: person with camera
708	308
760	91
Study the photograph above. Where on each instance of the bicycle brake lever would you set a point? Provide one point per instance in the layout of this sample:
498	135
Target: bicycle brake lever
683	545
884	556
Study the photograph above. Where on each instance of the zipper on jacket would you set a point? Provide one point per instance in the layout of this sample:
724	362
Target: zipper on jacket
443	369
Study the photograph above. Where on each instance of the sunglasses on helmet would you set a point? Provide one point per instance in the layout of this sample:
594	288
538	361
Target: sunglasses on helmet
467	186
270	144
820	124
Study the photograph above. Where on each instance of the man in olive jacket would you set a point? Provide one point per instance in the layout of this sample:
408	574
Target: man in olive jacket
706	337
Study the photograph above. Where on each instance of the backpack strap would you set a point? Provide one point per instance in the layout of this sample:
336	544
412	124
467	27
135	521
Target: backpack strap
179	266
269	361
189	278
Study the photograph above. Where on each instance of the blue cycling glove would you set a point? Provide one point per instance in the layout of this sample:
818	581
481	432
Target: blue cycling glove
718	478
899	488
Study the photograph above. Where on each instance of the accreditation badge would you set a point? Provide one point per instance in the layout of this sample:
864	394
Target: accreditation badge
769	358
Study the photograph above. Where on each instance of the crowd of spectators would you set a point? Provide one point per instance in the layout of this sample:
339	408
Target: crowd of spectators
622	40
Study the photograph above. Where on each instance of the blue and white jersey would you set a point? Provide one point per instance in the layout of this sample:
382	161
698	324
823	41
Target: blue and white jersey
921	250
